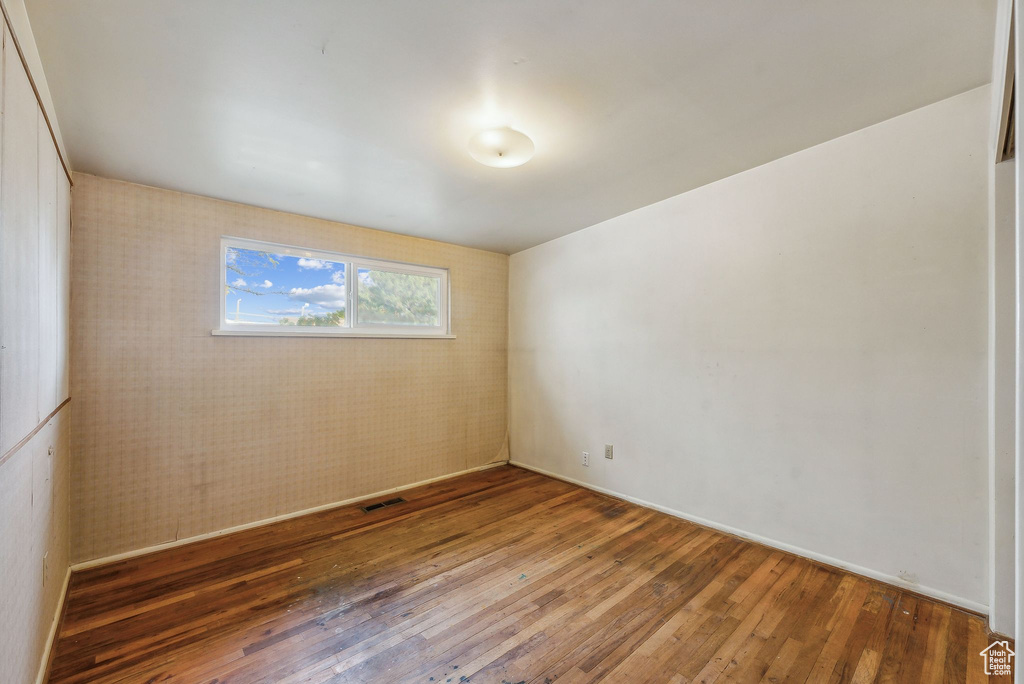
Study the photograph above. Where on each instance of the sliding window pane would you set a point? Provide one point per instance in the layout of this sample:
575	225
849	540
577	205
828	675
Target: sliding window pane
264	289
393	298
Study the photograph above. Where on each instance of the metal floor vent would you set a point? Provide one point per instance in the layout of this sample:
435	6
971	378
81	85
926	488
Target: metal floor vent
382	504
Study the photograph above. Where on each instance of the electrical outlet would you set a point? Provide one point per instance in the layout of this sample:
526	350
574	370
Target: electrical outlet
586	459
608	451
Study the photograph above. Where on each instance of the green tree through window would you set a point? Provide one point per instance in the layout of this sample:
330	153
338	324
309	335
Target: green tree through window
392	298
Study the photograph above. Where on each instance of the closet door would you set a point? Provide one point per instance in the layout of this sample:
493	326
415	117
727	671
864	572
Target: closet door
19	256
47	269
63	285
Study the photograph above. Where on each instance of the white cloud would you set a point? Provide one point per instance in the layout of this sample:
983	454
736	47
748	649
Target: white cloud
328	296
338	277
238	283
314	264
267	283
284	312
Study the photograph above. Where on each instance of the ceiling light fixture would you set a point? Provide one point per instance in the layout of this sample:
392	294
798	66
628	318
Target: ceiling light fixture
501	147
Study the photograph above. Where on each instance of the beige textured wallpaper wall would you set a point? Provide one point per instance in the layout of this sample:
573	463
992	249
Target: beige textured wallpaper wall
177	432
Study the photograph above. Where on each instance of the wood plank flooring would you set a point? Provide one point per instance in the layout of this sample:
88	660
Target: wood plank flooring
500	576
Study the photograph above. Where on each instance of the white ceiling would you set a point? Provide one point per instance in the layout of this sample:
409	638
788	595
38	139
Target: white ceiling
360	111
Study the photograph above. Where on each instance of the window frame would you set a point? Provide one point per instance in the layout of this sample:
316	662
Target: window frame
352	263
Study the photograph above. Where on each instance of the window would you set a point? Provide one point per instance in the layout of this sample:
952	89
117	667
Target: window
271	289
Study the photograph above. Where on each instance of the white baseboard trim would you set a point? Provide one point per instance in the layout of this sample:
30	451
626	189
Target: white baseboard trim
946	597
52	636
96	562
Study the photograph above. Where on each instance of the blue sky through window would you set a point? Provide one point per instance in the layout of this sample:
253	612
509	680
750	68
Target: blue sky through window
278	289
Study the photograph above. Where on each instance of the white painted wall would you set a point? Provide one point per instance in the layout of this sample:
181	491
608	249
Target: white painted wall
798	352
1001	358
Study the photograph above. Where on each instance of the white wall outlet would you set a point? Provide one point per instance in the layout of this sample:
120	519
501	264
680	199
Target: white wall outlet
608	451
586	459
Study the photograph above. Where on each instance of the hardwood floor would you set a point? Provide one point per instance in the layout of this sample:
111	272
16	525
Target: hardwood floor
500	576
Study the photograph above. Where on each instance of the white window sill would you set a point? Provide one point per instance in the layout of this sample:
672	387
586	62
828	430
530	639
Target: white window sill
291	333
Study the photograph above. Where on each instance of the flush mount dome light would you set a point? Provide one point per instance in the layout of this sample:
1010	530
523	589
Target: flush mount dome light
501	147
